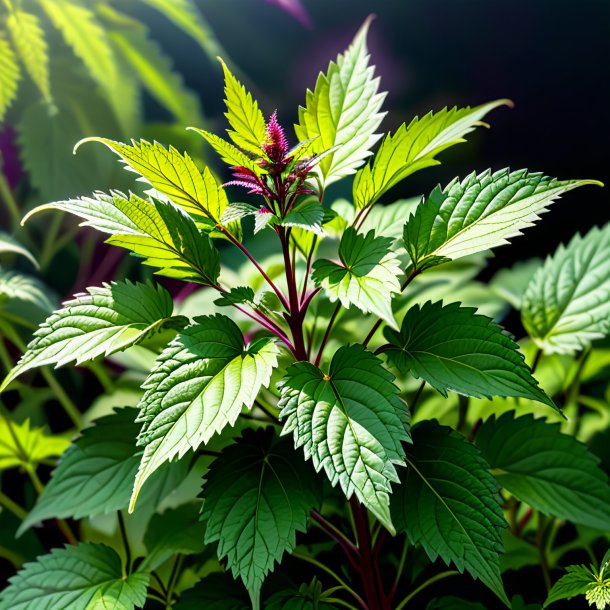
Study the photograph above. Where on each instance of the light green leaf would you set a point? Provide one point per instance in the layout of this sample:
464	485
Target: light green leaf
511	283
230	154
32	446
567	302
306	214
243	114
236	296
577	581
104	321
479	213
175	531
350	422
95	474
9	75
449	503
258	494
24	299
552	472
30	44
9	244
415	147
87	576
343	111
174	175
454	349
366	277
160	233
199	385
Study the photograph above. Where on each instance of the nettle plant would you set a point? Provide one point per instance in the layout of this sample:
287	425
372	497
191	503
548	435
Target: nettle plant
296	361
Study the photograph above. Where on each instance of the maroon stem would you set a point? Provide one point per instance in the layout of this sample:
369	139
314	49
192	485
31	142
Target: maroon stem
348	547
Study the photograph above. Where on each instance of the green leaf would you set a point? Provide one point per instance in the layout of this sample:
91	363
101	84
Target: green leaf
448	502
217	591
306	597
199	385
175	531
567	302
95	475
415	147
511	283
154	70
84	576
174	175
343	111
30	44
104	321
306	214
9	244
258	494
350	422
160	233
577	581
479	213
366	277
23	446
230	154
454	349
552	472
236	296
9	75
24	299
244	115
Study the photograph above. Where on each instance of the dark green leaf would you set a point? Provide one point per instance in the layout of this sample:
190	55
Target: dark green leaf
218	591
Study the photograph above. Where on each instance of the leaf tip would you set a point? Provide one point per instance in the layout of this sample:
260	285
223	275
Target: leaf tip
84	141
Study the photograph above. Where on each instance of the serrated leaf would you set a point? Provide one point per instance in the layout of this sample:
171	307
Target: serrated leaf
258	494
9	75
449	503
366	276
567	303
174	175
163	235
263	219
343	111
237	211
415	147
217	591
243	114
30	44
236	296
453	348
307	214
95	474
32	445
552	472
175	531
230	154
577	581
85	576
155	71
479	213
306	597
199	385
9	244
104	321
350	422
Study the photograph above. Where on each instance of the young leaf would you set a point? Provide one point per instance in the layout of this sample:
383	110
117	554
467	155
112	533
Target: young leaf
217	591
343	111
243	114
415	147
84	576
258	494
366	277
9	75
100	323
23	446
158	232
552	472
454	349
236	296
567	302
479	213
350	422
306	214
95	474
174	175
577	581
448	502
10	244
199	385
30	44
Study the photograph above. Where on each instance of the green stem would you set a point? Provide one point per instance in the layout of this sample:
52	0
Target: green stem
401	567
536	360
425	585
64	400
101	374
416	397
49	247
125	540
339	602
162	588
9	200
173	580
542	556
12	506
